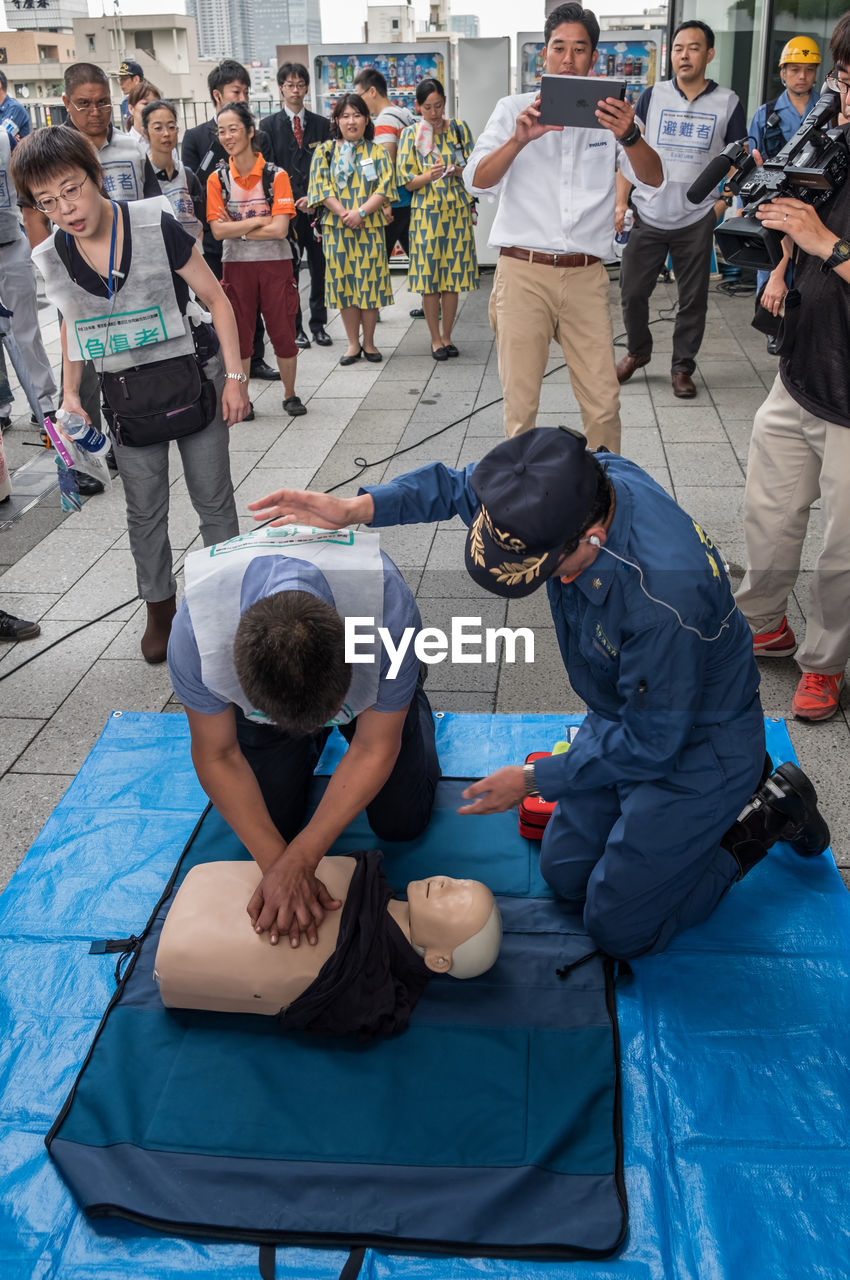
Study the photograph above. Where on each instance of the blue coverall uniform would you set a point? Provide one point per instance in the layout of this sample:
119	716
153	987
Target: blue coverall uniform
672	747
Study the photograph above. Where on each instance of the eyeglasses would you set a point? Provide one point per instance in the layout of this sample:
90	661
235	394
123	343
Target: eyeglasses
69	195
835	83
296	85
102	104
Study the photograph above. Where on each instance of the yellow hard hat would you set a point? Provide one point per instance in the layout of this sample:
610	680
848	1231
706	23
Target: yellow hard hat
800	49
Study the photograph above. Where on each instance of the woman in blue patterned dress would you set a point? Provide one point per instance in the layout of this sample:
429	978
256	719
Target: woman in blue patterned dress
443	263
352	176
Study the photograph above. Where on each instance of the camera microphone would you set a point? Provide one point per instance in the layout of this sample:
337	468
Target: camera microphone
712	175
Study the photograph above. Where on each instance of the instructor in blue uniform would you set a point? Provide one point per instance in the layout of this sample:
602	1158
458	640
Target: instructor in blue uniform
665	798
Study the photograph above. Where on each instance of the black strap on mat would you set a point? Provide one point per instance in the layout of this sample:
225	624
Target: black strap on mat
353	1263
267	1261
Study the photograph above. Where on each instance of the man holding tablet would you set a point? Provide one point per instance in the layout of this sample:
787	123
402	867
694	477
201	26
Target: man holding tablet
554	228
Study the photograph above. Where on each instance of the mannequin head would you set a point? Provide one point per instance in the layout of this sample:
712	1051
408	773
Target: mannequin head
454	925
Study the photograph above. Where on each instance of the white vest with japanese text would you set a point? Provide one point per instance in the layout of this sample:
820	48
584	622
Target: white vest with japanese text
123	164
686	135
142	321
350	563
176	189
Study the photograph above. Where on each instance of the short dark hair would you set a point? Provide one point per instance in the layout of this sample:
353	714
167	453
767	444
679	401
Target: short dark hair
84	73
158	104
289	654
293	69
225	73
139	91
352	100
599	509
244	114
700	26
4	82
371	78
43	154
426	87
839	43
572	13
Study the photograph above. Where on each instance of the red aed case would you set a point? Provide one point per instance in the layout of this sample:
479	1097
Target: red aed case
534	812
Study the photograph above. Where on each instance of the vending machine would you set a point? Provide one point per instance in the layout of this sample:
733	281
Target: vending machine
634	56
333	68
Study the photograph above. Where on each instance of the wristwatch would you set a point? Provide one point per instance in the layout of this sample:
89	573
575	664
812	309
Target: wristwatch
634	135
237	377
362	212
531	787
840	253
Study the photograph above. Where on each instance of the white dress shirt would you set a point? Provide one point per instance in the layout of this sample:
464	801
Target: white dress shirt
300	114
559	193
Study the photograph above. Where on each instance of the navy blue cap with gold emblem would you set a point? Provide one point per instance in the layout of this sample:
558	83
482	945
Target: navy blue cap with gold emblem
536	491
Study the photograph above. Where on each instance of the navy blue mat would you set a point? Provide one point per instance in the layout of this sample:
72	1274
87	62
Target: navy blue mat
491	1127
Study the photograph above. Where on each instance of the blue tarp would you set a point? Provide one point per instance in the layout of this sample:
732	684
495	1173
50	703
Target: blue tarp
734	1043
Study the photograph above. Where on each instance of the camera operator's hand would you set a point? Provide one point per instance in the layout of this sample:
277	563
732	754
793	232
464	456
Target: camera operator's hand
775	289
800	223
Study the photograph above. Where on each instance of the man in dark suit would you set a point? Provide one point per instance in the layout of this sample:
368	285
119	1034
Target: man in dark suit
294	134
202	152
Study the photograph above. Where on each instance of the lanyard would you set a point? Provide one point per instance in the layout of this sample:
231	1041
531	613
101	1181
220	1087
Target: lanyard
110	288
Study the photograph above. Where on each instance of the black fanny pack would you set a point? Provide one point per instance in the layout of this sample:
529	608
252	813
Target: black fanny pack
151	403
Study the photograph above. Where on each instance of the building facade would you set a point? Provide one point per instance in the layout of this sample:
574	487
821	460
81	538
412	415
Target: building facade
467	25
284	22
226	28
44	15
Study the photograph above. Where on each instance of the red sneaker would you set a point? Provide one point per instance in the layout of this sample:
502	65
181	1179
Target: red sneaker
817	696
781	643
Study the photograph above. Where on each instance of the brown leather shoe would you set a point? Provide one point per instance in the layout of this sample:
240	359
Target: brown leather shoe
628	365
683	385
155	640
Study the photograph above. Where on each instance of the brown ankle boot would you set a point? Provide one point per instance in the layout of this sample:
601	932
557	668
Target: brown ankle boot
155	639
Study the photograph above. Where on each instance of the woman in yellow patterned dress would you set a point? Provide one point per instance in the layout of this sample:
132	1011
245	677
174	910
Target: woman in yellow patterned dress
430	163
353	177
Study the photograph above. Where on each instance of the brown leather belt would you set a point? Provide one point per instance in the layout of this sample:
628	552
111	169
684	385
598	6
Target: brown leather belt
549	259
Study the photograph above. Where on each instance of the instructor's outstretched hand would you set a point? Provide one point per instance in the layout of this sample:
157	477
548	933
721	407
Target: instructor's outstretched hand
306	506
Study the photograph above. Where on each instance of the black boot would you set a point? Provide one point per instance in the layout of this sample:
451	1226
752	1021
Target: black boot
785	807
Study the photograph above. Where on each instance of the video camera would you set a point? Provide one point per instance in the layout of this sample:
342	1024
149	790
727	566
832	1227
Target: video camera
811	167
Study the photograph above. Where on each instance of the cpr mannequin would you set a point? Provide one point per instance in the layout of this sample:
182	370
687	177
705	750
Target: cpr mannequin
371	963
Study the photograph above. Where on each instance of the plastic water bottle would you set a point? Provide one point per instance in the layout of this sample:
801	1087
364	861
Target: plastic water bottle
82	433
622	237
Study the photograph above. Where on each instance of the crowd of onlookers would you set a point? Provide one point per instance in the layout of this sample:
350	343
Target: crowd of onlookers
337	197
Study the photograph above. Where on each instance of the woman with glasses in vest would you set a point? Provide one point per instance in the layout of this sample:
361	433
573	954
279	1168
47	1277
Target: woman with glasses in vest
120	273
249	205
176	182
352	176
443	263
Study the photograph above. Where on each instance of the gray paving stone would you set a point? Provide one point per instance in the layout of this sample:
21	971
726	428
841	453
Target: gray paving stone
15	736
383	425
32	605
41	687
64	743
539	687
26	802
110	582
714	464
696	426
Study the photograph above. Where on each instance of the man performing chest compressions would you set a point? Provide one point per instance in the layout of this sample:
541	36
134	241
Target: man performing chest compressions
257	658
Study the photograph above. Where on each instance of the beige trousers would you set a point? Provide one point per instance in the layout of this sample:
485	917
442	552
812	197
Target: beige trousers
794	459
530	305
